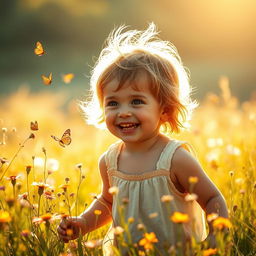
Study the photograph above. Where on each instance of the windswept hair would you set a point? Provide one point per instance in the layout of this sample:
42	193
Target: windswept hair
126	54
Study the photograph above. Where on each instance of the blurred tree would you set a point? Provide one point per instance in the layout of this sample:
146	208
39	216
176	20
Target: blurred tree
7	8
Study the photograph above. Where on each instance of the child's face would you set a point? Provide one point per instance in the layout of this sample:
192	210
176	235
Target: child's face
130	114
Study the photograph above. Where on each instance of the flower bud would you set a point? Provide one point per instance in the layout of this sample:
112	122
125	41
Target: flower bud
28	169
31	136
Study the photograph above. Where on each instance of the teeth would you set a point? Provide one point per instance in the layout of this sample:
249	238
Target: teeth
127	125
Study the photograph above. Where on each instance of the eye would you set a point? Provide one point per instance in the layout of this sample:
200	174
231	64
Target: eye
111	103
137	102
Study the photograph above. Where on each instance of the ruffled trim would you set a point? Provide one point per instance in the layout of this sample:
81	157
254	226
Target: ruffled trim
138	177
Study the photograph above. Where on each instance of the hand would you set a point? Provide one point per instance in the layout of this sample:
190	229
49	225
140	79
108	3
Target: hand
71	228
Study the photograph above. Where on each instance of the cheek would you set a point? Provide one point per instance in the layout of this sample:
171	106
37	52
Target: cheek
149	114
108	117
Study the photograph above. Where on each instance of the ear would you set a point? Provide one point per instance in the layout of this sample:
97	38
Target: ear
164	115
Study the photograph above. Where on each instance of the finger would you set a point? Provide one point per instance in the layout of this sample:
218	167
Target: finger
61	228
61	231
63	225
64	238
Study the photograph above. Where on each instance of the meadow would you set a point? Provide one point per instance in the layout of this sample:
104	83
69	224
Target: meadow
42	182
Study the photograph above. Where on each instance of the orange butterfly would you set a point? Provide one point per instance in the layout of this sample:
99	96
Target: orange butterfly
67	78
34	126
47	80
39	50
65	139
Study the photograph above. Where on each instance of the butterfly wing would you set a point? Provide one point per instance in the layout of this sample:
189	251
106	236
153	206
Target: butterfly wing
34	126
39	50
67	78
66	138
47	80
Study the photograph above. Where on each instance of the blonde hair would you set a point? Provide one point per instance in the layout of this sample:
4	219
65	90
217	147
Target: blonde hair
129	52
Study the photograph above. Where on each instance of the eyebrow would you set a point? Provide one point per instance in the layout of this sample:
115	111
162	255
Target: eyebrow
131	96
138	95
110	98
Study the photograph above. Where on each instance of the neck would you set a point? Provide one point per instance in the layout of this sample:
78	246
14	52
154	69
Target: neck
144	146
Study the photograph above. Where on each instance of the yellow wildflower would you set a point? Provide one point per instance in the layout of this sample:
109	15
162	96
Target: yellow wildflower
97	212
5	217
209	252
148	240
179	217
69	232
193	179
212	216
130	220
46	218
221	223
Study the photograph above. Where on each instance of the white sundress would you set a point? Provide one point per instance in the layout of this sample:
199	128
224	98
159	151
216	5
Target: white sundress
143	192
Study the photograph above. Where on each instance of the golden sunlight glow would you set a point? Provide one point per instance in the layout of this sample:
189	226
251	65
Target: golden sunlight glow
52	164
229	148
39	162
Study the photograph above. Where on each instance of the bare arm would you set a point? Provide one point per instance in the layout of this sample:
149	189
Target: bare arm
210	198
88	221
102	203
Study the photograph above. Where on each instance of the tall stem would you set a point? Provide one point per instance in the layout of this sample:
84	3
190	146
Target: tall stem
21	146
28	188
45	161
80	180
39	200
33	167
69	208
14	196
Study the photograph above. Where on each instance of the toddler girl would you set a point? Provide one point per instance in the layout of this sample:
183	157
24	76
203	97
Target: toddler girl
154	190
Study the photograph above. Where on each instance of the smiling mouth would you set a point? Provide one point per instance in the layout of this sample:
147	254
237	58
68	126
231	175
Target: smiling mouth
127	126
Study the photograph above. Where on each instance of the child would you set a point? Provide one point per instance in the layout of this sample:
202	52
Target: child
139	86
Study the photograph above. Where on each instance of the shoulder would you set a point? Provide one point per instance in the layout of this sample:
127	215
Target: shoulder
108	158
112	149
182	155
105	179
184	165
183	160
114	146
102	161
103	168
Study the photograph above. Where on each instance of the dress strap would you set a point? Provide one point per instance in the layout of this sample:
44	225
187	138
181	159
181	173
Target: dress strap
112	154
164	162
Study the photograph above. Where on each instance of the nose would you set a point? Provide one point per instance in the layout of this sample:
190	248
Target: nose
124	113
